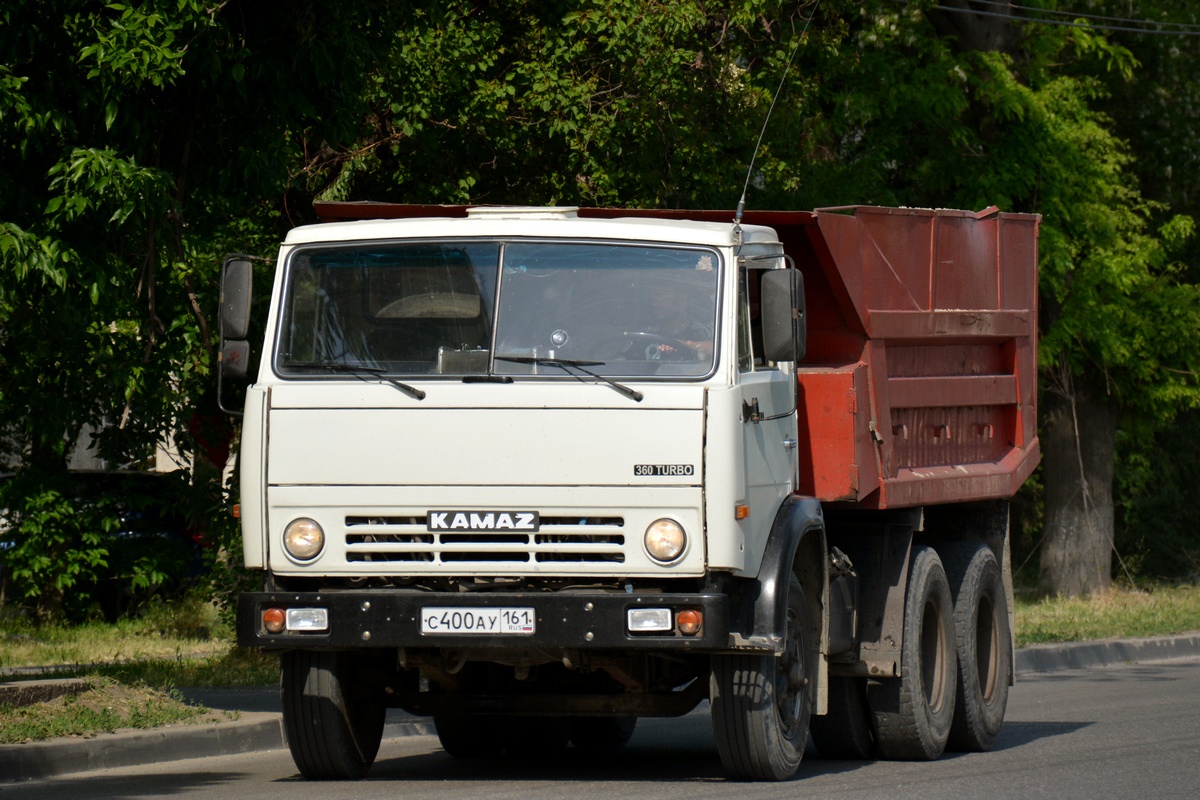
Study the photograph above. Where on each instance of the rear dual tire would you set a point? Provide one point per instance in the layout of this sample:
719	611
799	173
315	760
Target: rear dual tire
984	642
913	713
602	734
474	736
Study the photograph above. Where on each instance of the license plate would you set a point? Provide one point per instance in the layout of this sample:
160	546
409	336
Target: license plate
482	621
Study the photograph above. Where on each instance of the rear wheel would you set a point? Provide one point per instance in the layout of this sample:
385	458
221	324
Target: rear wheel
913	712
332	716
845	732
761	704
984	646
493	735
535	737
602	734
469	735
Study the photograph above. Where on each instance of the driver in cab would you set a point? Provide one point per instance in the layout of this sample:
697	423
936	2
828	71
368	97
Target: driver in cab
684	336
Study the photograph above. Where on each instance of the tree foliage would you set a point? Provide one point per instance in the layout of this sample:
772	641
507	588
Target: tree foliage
888	103
596	103
1017	118
143	140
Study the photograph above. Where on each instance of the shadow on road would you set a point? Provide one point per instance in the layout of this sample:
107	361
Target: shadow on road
1018	734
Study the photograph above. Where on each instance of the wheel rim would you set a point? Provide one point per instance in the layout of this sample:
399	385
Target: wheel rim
790	680
933	657
987	650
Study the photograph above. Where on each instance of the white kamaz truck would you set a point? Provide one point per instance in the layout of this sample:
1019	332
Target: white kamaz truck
538	472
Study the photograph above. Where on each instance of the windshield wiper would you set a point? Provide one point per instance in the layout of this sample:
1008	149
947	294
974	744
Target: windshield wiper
360	371
566	365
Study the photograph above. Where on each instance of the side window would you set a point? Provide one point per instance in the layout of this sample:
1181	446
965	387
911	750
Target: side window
750	342
756	319
745	348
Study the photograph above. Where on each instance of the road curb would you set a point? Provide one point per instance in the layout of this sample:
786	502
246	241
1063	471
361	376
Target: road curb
250	733
259	731
1087	655
128	748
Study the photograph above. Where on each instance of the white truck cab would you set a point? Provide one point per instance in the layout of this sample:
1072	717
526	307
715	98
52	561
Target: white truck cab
430	384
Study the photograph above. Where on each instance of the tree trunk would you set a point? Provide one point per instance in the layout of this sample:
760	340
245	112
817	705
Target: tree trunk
994	29
1078	437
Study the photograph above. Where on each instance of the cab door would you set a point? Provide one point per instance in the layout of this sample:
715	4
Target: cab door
768	393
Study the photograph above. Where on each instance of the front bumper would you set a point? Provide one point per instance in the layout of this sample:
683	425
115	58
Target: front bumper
384	618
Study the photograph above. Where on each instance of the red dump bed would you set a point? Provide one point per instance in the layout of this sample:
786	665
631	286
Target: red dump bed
920	384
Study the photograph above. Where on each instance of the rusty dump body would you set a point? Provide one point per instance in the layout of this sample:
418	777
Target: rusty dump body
919	382
919	386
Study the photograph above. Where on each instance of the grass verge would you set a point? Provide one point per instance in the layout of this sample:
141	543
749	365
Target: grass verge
104	707
132	669
1118	614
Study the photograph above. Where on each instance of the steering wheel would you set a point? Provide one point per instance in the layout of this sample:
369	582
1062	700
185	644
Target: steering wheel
649	342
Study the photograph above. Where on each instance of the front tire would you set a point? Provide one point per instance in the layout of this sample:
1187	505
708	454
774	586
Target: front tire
913	712
984	646
333	718
761	704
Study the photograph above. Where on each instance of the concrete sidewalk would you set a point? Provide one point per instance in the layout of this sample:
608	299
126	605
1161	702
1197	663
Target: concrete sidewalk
259	725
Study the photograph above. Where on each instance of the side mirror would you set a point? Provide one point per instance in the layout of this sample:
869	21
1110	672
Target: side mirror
782	303
236	281
237	278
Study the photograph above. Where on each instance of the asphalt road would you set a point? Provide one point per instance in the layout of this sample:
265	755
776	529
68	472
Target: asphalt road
1120	732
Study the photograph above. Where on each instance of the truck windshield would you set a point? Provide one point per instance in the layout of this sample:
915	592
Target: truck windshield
497	308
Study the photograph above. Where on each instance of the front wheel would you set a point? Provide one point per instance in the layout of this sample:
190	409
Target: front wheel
332	716
761	704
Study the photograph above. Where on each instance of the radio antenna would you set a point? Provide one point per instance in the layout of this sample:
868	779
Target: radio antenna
741	206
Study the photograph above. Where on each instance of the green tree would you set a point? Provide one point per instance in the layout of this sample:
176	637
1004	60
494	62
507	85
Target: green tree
594	103
945	108
1157	110
141	140
891	103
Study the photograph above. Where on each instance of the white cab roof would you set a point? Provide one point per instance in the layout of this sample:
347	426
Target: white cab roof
530	222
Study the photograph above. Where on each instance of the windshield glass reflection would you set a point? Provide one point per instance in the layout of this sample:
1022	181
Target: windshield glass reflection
478	308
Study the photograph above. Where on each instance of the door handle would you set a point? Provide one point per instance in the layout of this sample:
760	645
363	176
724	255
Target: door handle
789	444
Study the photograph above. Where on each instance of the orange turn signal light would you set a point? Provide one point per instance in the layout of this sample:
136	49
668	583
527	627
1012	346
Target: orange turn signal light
741	511
689	621
273	620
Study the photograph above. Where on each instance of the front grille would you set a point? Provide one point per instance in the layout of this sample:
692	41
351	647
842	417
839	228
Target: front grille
561	540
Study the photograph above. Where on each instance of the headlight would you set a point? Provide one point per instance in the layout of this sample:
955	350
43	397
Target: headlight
303	539
665	540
